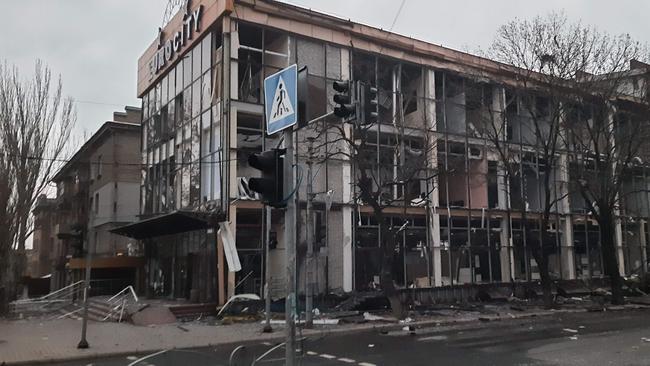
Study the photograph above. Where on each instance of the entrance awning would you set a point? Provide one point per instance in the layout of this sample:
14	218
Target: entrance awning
171	223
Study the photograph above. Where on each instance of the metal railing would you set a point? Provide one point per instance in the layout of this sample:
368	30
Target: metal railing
59	298
118	303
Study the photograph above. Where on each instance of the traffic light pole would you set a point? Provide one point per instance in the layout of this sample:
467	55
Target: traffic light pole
267	271
309	301
290	248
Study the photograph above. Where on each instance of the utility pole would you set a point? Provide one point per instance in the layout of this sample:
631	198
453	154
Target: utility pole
83	343
290	250
309	321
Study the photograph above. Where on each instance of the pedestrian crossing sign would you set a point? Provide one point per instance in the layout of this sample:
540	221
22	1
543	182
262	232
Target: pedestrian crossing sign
281	99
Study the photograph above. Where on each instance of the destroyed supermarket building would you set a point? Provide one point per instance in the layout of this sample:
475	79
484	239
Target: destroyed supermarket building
201	87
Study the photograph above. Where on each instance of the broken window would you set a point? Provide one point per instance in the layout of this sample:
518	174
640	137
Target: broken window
250	75
312	55
386	88
477	176
412	100
452	177
454	94
478	107
586	243
632	249
333	62
363	68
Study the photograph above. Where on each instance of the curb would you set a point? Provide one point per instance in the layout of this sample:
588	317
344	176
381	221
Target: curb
386	327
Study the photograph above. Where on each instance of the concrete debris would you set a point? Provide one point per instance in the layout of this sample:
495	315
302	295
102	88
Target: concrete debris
342	314
326	321
371	345
371	317
316	321
645	339
569	330
601	292
573	338
407	320
249	304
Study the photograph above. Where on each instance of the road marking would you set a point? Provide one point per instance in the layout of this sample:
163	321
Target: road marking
329	357
366	364
433	338
347	360
312	353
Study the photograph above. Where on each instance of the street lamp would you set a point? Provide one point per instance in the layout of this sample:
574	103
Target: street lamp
77	234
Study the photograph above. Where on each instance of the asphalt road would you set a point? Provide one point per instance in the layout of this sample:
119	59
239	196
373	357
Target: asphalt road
614	338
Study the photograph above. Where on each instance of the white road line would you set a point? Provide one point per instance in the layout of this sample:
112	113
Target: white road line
347	360
366	364
329	357
312	353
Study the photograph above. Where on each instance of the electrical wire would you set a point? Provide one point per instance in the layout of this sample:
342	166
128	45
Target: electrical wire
61	160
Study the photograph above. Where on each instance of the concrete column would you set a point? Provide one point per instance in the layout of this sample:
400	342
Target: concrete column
642	243
434	195
348	245
567	255
436	250
233	228
348	248
620	255
567	252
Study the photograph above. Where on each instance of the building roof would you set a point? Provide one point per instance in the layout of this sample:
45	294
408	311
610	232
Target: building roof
95	139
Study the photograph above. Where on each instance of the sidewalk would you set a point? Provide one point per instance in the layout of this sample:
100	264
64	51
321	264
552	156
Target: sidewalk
34	341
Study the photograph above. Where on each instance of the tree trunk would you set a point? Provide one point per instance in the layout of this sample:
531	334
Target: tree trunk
542	263
610	257
387	283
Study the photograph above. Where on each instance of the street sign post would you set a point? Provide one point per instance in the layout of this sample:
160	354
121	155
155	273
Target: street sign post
281	99
281	112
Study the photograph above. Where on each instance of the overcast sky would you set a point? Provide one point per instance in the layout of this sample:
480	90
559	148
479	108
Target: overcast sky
95	44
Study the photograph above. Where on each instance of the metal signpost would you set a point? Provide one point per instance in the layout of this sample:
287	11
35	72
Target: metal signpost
281	112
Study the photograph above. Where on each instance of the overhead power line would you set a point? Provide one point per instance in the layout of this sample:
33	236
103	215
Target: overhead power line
60	160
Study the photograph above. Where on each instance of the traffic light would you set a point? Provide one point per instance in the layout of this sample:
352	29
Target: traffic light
270	186
345	108
367	104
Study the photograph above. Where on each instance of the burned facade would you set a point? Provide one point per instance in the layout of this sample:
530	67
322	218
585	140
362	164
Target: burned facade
462	217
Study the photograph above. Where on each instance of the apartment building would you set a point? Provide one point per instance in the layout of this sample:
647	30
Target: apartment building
98	190
461	220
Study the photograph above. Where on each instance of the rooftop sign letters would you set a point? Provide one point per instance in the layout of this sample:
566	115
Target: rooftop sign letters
167	50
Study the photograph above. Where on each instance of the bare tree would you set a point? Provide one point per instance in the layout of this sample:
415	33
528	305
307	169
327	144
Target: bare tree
581	74
35	126
385	165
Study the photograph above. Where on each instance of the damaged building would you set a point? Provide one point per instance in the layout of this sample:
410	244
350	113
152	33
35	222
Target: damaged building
461	218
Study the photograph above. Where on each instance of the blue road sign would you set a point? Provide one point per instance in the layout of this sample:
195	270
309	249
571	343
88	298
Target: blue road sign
281	99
